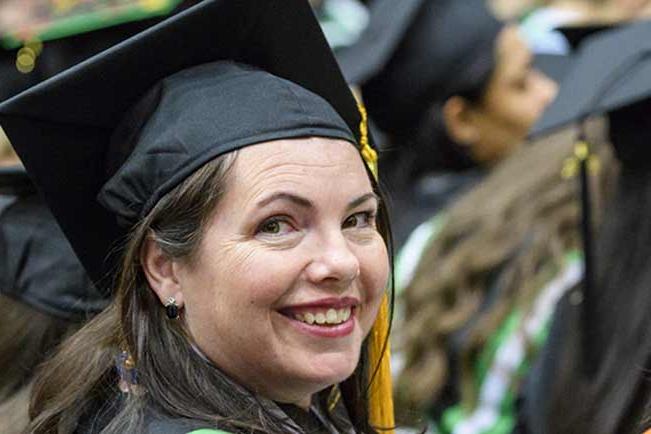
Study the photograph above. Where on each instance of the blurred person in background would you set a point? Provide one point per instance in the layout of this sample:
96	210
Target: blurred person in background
453	90
481	280
479	283
45	294
593	373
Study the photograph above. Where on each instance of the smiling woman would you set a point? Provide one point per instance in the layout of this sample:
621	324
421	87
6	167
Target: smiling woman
285	257
234	219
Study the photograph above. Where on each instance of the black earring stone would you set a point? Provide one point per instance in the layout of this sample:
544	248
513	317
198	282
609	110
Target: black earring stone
172	311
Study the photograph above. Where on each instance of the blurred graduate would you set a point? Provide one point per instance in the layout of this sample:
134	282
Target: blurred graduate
599	345
454	91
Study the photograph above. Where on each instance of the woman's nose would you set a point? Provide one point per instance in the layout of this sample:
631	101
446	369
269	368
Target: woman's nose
333	263
546	89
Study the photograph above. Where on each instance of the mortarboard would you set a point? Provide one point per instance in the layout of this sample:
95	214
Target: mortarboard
556	66
63	135
37	264
576	35
216	77
415	52
610	71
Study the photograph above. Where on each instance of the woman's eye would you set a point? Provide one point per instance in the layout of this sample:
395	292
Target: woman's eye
274	226
360	220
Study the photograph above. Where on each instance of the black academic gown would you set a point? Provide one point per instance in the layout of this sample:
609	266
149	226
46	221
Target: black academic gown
297	420
562	395
420	198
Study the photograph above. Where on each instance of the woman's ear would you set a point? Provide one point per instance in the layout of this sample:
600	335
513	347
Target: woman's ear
459	121
161	273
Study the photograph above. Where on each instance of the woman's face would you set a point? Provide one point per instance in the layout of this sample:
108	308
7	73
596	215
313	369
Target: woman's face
516	96
291	269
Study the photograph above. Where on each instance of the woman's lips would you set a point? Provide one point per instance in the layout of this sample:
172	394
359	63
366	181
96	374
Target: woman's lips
333	317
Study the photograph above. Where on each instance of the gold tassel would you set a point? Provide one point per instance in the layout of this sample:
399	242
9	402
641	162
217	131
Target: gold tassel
381	391
368	153
582	151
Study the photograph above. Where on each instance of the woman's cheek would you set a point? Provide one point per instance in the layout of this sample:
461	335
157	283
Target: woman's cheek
375	268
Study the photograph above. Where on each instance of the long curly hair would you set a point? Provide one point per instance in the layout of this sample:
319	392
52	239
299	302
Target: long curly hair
512	230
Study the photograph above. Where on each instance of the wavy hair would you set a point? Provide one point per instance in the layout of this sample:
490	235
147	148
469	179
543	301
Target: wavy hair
512	230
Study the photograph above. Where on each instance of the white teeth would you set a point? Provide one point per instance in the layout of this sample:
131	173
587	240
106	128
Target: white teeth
331	316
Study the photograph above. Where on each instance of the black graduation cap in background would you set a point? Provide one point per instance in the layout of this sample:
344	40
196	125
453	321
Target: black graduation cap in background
611	73
37	264
578	34
556	66
62	128
415	52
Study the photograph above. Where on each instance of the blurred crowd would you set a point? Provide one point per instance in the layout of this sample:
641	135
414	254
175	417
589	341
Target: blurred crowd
519	222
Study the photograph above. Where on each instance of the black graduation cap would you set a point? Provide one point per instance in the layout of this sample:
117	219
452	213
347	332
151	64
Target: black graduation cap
610	71
578	34
556	66
220	75
415	52
37	264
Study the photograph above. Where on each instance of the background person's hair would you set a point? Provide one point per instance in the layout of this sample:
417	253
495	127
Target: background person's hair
27	337
427	146
173	379
619	323
518	223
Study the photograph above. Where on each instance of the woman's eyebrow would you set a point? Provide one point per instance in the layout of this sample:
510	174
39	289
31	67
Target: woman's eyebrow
360	200
306	203
298	200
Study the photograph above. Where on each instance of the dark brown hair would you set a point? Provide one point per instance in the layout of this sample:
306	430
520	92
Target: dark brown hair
27	337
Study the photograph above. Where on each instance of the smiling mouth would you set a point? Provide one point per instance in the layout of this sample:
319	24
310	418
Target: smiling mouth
322	317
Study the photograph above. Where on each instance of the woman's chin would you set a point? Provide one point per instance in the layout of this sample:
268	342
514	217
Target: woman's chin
328	369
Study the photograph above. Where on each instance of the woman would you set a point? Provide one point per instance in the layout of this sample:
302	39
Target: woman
599	344
246	278
454	90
